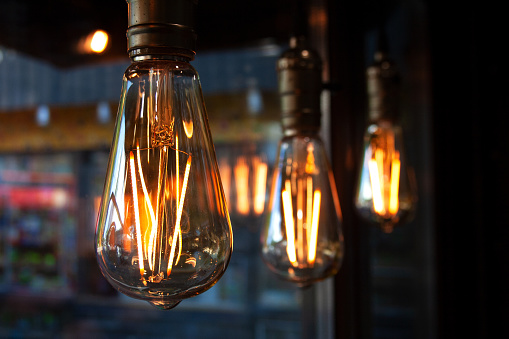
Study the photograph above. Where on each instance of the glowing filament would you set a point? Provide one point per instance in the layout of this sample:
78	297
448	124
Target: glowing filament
136	214
378	203
385	188
241	172
177	164
309	204
177	180
151	211
394	199
314	227
260	183
289	223
176	231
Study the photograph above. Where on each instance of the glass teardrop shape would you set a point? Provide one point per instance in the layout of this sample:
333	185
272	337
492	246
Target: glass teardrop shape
302	240
163	232
385	193
165	305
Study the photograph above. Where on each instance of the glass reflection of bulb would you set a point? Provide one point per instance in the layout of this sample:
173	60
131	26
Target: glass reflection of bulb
385	194
302	240
163	232
250	174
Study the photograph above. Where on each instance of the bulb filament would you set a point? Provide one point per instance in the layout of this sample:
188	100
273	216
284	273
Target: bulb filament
150	210
385	183
136	214
301	236
176	233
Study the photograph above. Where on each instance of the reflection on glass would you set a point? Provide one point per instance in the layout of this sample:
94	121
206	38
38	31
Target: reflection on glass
250	184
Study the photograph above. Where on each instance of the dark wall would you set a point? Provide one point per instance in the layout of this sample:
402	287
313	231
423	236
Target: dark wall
467	183
471	147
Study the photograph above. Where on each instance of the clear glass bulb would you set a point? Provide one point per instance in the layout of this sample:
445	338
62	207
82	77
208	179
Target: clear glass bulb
384	191
163	232
302	240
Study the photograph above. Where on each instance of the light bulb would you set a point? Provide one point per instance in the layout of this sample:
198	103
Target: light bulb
99	41
385	194
302	239
163	232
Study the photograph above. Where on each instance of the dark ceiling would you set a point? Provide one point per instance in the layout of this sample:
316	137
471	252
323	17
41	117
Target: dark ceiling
51	29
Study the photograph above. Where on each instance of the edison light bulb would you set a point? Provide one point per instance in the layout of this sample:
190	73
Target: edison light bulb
163	232
384	195
302	239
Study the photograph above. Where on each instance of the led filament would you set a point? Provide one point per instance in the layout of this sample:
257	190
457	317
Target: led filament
163	232
384	192
302	233
147	231
385	183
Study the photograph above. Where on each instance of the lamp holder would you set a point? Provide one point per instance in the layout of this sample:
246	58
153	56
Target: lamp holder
383	87
161	27
300	85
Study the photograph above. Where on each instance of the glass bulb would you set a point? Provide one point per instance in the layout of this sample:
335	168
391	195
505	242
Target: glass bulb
384	192
302	240
163	232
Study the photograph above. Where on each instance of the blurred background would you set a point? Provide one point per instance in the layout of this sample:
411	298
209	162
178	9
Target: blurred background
442	275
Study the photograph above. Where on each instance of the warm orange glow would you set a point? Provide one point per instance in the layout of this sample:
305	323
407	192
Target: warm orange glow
151	211
99	41
177	185
378	203
176	232
309	205
300	222
289	223
379	158
136	213
177	169
241	172
226	177
314	227
394	198
384	185
191	261
261	170
310	160
188	128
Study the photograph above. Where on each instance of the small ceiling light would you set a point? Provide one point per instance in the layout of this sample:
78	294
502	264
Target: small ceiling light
99	41
95	42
